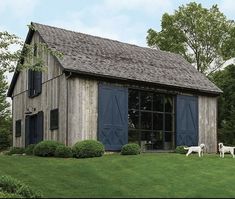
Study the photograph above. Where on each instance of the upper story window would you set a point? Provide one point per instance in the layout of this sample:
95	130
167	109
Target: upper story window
34	79
34	83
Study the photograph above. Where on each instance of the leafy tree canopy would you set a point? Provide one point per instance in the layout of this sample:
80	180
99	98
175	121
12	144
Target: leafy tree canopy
8	56
225	79
204	37
25	56
5	117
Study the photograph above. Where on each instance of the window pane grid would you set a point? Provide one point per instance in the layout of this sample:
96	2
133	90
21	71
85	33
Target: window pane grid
132	109
153	114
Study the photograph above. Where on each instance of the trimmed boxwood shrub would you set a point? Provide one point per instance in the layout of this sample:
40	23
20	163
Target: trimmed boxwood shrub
63	152
29	149
16	150
88	149
46	148
180	150
9	195
9	185
130	149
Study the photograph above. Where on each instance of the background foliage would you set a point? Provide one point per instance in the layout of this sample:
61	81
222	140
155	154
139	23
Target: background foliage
204	37
225	79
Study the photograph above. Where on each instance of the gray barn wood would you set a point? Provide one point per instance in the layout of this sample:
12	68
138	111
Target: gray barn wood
71	85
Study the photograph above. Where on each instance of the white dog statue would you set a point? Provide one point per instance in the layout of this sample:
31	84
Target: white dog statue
199	149
225	149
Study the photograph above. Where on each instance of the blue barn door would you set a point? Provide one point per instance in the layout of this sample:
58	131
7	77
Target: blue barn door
187	120
113	117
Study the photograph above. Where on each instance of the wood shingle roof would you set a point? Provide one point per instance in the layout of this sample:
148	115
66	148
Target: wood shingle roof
99	56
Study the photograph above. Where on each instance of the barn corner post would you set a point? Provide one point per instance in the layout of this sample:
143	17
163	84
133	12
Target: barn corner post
208	115
67	108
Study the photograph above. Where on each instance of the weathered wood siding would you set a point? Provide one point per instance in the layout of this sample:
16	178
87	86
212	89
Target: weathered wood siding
78	118
82	109
52	96
207	107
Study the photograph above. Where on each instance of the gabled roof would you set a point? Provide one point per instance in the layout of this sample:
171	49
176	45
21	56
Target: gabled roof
98	56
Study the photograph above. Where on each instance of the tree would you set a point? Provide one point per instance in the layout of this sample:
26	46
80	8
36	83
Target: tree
202	36
24	57
225	79
5	118
8	57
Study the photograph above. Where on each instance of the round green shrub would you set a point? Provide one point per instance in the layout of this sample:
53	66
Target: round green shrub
16	150
130	149
88	149
9	195
180	150
63	152
46	148
9	185
29	149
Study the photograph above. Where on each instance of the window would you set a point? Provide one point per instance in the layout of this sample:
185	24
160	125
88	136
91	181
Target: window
146	100
18	128
35	50
34	78
158	102
34	83
151	119
133	122
54	119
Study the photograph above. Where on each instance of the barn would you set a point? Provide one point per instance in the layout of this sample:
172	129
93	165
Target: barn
113	92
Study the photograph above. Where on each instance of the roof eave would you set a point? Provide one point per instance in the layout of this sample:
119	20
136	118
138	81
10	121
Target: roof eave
94	75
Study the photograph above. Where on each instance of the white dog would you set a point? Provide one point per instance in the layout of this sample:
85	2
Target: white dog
225	149
199	149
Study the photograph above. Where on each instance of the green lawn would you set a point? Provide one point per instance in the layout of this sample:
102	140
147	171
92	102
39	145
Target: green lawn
146	175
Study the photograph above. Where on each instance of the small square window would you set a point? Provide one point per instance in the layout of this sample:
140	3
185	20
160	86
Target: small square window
18	128
54	119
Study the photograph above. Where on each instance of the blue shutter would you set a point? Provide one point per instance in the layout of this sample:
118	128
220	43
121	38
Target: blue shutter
27	139
30	83
33	129
187	120
39	127
34	83
37	82
113	117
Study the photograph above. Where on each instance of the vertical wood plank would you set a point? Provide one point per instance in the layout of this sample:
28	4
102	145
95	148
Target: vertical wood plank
83	100
208	122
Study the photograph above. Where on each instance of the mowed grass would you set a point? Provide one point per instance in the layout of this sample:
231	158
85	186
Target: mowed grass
145	175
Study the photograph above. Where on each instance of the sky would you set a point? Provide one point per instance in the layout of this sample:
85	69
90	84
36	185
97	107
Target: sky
123	20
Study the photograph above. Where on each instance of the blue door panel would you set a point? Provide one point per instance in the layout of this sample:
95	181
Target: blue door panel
187	120
113	117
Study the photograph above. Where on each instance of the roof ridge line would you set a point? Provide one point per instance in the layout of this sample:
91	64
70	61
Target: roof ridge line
105	38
